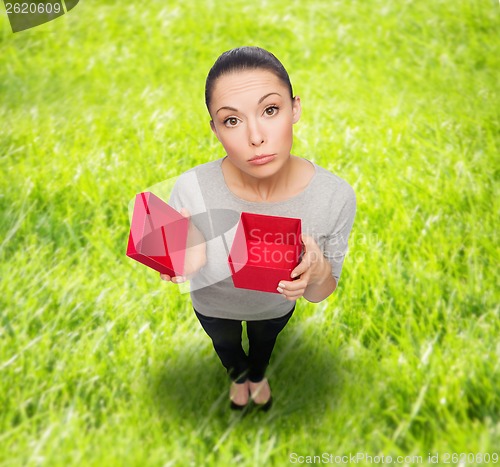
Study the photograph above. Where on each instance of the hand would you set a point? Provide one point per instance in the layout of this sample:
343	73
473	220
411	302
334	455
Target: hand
195	257
313	269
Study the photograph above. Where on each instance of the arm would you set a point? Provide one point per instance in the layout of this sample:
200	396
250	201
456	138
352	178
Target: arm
316	281
184	193
324	286
195	257
318	270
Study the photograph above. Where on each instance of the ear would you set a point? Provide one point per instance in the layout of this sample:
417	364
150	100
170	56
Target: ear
296	109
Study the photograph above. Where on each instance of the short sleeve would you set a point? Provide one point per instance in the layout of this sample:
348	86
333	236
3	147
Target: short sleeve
336	243
174	199
187	193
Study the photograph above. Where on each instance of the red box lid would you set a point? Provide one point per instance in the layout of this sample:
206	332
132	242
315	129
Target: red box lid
158	235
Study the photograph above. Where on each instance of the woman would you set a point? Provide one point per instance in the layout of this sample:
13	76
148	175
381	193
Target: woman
252	108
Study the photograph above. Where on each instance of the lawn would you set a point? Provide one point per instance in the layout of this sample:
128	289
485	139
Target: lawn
102	363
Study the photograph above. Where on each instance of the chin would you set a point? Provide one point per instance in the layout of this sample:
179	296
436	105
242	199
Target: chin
267	170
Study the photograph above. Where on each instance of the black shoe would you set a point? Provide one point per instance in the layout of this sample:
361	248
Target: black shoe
234	406
265	407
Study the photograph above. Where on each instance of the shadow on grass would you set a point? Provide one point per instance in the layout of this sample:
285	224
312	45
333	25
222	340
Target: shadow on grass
305	376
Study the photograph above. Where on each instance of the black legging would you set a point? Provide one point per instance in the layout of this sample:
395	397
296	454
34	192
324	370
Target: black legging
226	338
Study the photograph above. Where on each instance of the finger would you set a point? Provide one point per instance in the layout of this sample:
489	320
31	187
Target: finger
309	242
312	254
179	279
292	286
293	295
165	277
301	268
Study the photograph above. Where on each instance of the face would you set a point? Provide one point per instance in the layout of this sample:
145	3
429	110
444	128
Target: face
253	116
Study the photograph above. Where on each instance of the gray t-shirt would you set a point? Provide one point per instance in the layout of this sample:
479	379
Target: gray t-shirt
326	208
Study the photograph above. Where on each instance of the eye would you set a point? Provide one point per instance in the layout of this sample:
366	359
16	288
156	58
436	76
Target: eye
271	110
231	121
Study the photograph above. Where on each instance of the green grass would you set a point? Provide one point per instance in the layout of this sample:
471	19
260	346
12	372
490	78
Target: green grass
101	363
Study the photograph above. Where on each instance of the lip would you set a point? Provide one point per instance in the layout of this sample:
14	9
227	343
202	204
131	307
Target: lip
262	159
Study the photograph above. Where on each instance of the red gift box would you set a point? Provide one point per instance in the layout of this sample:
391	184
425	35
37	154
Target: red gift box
158	235
265	250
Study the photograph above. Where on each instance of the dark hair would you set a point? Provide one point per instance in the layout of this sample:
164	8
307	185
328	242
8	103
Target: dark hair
245	58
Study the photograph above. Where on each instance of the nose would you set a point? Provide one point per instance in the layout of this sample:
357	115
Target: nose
255	134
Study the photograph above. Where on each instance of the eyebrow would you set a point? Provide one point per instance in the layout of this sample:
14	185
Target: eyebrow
260	101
